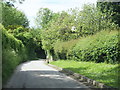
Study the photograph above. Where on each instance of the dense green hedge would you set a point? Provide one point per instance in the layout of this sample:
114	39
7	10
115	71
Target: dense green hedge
13	53
18	45
101	47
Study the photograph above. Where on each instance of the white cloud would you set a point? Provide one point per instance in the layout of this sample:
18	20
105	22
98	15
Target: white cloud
31	7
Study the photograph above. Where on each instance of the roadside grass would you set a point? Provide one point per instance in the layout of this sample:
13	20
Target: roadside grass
101	72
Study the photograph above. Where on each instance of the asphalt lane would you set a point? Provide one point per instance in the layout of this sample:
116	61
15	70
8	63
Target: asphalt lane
36	74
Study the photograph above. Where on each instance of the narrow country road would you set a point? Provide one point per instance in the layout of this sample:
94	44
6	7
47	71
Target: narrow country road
36	74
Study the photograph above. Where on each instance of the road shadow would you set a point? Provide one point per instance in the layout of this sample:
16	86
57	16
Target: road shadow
42	79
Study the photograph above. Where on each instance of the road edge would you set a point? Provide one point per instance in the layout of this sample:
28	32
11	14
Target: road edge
81	78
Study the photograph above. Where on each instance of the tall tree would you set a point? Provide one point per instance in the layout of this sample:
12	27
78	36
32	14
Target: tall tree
112	8
12	16
44	16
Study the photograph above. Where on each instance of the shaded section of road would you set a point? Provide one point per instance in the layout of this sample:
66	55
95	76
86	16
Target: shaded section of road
36	74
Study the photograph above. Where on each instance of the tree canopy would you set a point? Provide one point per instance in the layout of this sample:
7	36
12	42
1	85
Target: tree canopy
72	24
44	16
12	16
111	7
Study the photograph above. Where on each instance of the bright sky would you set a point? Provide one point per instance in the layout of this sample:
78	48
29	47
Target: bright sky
31	7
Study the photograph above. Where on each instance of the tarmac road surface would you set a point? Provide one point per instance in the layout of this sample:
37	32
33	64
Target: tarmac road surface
36	74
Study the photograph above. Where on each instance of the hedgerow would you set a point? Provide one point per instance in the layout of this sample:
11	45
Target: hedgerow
13	53
101	47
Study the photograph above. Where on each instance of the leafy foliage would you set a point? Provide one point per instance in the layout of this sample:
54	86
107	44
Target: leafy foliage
13	53
30	38
111	7
73	24
20	43
44	16
12	16
102	47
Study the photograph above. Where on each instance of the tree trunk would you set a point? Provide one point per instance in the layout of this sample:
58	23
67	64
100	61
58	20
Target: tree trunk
48	56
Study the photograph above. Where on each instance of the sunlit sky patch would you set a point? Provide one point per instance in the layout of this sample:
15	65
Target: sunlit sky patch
31	7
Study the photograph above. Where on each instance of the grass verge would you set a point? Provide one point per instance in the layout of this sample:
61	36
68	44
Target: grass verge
101	72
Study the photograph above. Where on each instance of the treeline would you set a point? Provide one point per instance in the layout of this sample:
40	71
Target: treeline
90	34
19	42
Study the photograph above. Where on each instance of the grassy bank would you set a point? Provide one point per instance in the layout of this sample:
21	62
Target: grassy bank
100	47
101	72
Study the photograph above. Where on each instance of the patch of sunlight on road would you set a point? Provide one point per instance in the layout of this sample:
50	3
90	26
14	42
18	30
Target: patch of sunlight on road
36	74
34	65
